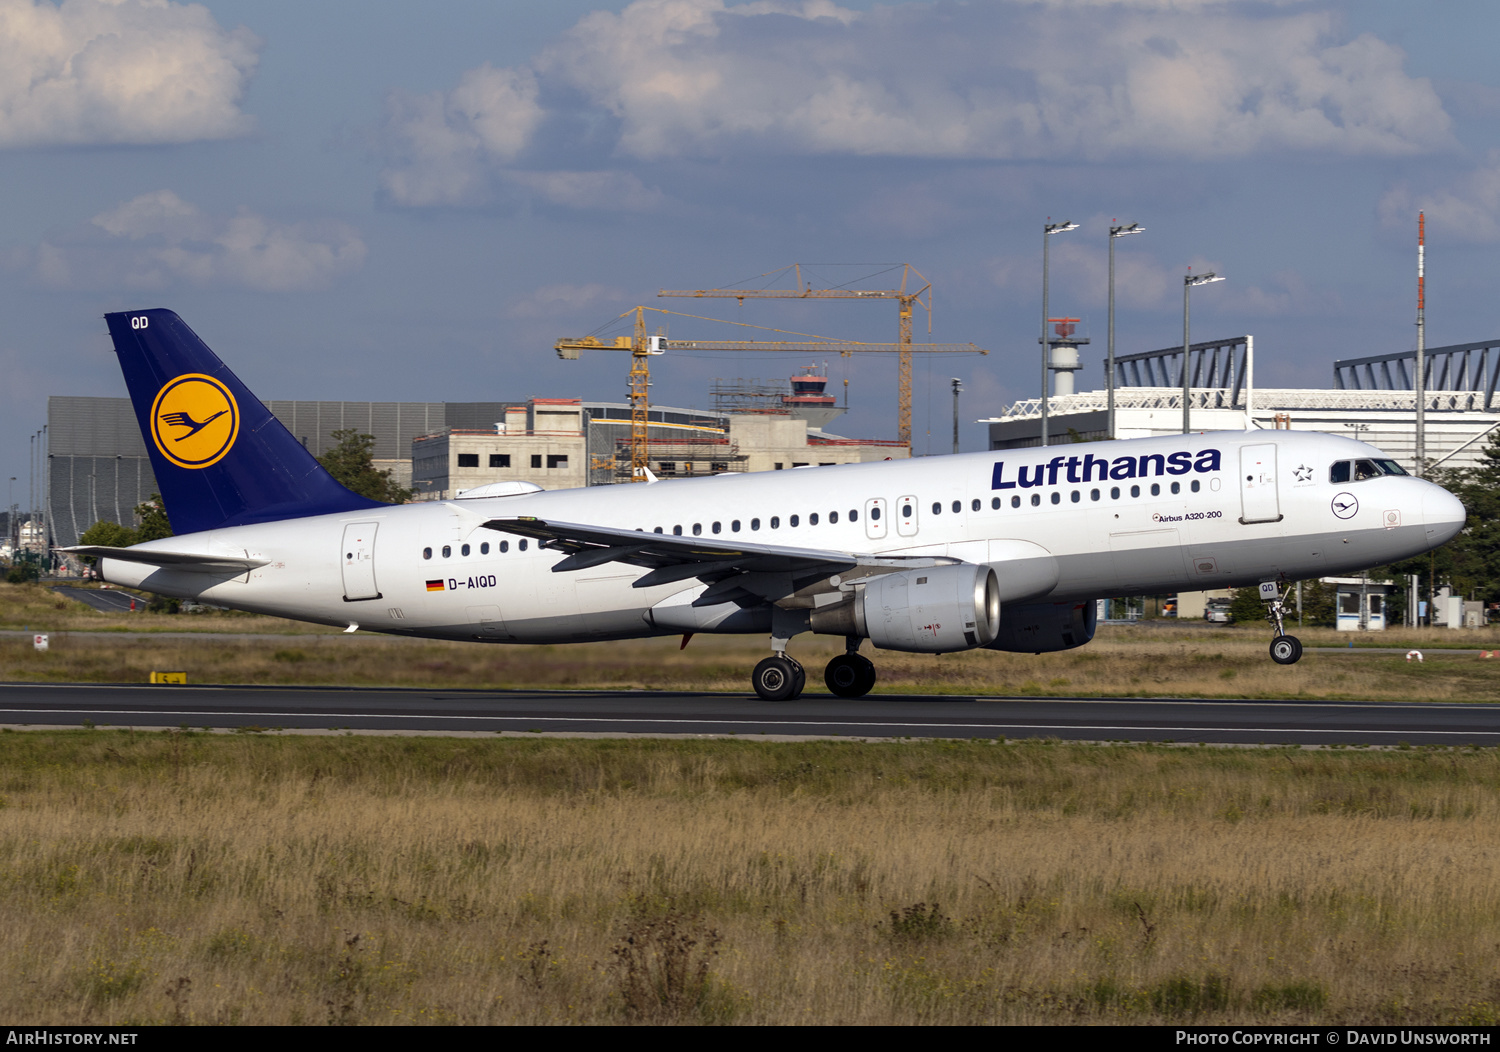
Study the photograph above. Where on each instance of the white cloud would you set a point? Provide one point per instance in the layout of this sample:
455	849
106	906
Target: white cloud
129	71
158	240
1468	209
440	148
697	77
1071	80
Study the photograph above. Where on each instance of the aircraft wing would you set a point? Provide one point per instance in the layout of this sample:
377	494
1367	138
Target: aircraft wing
671	558
190	561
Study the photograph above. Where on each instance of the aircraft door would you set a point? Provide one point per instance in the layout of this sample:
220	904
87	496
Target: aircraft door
359	561
906	516
1258	498
875	523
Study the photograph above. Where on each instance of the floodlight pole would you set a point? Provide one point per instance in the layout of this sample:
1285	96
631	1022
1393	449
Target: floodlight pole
1047	231
1187	286
1109	368
958	385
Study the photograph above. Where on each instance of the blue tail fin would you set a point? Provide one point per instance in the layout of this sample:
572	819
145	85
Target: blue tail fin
219	455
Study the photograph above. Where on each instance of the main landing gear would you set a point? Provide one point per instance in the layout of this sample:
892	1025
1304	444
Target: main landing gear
1285	649
781	678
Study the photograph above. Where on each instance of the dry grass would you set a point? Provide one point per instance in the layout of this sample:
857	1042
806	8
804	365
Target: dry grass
1120	662
36	608
187	878
1148	660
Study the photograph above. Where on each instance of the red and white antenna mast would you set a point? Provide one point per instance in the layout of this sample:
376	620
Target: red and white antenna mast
1421	445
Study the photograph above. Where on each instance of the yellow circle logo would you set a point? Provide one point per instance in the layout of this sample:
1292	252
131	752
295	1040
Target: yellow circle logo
194	421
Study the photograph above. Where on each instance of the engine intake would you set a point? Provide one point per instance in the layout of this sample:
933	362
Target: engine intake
935	610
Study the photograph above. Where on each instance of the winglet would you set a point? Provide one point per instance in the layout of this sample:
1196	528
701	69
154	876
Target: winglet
220	457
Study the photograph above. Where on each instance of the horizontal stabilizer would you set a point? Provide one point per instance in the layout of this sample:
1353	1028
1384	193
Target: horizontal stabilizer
190	561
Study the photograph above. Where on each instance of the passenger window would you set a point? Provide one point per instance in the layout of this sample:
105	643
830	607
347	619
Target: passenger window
464	550
522	545
937	509
812	520
447	551
1036	499
427	553
657	530
755	524
974	504
1076	496
697	529
995	503
833	517
853	514
1135	491
1015	502
504	546
735	526
718	527
1093	494
957	507
775	522
1194	486
1176	487
484	549
1339	472
792	522
676	531
1114	493
1056	497
1156	489
875	513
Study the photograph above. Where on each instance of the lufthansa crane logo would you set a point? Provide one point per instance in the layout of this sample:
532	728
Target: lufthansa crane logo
194	421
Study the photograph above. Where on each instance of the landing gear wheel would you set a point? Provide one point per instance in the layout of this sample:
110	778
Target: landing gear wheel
850	676
778	678
1286	650
801	679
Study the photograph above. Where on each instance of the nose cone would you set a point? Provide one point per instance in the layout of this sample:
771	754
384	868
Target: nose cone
1443	514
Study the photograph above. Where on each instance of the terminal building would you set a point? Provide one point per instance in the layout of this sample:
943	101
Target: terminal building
1372	399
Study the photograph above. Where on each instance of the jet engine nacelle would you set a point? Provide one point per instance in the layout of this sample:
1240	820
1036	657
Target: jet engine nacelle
936	610
1039	628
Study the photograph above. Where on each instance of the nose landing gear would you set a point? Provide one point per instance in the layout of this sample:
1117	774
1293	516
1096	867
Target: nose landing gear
1285	649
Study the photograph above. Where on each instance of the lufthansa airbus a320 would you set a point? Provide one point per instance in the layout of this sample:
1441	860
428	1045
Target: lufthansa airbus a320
1006	550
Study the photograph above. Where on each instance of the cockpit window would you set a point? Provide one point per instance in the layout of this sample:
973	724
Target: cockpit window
1360	470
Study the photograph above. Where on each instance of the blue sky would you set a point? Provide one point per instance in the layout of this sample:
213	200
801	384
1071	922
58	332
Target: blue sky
398	201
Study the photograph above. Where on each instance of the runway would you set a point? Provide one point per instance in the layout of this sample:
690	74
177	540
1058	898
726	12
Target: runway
627	713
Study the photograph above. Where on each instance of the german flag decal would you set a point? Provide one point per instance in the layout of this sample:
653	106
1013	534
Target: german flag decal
435	586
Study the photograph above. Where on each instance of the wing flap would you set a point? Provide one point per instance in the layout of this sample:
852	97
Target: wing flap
733	570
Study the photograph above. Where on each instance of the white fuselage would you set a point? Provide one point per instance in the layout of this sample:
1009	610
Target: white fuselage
1064	523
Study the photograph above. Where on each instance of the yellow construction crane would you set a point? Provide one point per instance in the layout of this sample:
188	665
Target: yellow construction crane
642	346
804	291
